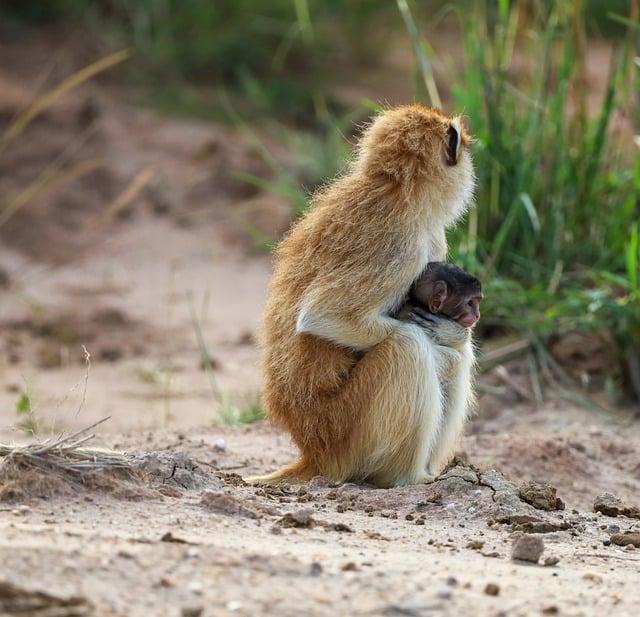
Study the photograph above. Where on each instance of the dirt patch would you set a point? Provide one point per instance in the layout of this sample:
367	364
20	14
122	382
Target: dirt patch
56	340
17	600
21	483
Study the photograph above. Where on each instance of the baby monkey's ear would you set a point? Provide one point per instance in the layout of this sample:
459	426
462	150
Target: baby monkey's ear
438	296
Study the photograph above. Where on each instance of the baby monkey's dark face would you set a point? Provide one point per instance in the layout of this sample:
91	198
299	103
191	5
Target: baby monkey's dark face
445	289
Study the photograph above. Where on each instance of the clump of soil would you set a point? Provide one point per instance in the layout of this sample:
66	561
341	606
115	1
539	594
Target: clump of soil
224	503
540	495
21	482
527	548
532	524
16	600
175	469
303	519
626	538
610	505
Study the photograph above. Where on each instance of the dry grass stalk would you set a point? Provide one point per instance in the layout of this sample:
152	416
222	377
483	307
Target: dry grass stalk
66	453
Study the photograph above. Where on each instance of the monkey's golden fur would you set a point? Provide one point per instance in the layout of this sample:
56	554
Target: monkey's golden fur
356	389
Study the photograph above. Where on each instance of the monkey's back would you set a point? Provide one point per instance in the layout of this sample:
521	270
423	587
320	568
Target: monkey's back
300	370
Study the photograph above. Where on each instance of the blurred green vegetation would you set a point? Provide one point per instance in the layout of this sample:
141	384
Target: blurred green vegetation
279	54
555	231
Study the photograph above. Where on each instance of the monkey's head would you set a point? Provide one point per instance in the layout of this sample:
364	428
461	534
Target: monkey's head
445	289
425	152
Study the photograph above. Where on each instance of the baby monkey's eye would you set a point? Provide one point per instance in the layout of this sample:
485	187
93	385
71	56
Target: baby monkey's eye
452	145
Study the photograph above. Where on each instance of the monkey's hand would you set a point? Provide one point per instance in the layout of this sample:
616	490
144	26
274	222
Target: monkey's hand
442	331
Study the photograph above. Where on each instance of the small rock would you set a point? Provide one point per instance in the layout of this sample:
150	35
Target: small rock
220	445
452	581
610	505
169	537
626	538
195	587
192	611
550	610
540	495
349	567
551	561
167	582
476	545
491	589
170	491
315	569
527	548
606	542
594	578
444	593
302	519
234	606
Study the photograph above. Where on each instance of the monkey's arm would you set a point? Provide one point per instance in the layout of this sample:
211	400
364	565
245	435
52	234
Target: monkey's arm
443	331
358	331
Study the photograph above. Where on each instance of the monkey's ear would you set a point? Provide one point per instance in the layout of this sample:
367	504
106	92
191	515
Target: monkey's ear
438	296
453	143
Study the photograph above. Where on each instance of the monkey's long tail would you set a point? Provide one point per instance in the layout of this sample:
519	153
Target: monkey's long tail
298	471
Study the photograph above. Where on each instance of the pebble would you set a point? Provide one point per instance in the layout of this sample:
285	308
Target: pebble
551	561
444	593
594	578
527	548
220	445
492	589
195	587
315	569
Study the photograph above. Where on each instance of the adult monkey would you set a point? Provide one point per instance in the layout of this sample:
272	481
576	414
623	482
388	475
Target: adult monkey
357	389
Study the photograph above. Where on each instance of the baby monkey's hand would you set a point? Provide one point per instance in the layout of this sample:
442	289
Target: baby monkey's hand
442	331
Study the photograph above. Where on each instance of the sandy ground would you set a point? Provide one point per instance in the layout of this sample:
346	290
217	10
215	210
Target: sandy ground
134	272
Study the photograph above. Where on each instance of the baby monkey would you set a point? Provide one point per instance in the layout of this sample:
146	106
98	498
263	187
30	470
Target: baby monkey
446	290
